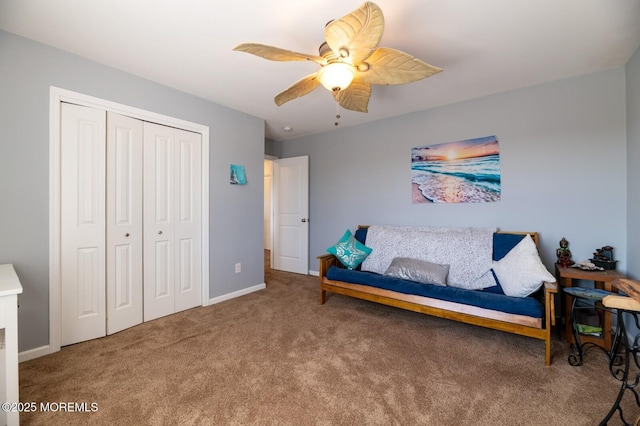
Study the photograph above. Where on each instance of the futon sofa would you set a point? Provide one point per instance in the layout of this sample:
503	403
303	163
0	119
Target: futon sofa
478	276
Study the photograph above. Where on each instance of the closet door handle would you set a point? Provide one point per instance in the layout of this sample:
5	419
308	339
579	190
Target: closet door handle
159	232
126	235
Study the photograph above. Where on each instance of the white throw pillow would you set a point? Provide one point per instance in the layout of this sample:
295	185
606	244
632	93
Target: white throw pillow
521	271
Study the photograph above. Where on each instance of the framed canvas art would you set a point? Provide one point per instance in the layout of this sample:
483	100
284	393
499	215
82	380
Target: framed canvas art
466	171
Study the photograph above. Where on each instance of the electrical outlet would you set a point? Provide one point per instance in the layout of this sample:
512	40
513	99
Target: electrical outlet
238	268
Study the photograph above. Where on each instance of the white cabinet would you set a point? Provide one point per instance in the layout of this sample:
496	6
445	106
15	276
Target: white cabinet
9	289
131	243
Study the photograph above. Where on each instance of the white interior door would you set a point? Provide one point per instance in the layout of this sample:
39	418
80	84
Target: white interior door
82	217
291	214
158	252
172	220
188	223
124	222
97	198
131	207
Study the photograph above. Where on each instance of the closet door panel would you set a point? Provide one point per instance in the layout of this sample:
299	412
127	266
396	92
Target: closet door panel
188	225
158	218
82	226
124	222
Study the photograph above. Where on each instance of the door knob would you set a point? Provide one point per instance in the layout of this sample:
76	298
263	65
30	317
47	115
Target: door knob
126	235
304	220
159	232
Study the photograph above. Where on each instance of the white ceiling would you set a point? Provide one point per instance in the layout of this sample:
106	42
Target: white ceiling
484	47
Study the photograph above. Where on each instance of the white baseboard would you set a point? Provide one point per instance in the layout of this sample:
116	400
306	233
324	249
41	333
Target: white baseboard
314	273
33	353
237	294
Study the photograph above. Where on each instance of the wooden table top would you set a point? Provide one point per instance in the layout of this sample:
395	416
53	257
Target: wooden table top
579	274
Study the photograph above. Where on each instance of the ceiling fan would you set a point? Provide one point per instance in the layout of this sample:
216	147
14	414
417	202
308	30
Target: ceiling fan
350	60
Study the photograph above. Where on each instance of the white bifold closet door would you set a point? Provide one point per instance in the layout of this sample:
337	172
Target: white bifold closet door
130	222
172	220
82	224
124	222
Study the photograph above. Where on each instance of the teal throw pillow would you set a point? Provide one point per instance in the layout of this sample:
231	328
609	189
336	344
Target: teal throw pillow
349	251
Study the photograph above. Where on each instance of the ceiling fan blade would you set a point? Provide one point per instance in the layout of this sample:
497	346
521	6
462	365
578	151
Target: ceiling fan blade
355	97
297	89
358	32
277	54
390	66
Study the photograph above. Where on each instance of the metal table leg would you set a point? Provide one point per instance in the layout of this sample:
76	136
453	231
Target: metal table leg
628	383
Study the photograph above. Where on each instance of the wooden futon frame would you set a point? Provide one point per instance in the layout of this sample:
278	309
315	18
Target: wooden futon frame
537	328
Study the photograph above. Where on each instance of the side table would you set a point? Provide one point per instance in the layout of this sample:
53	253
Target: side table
593	300
603	280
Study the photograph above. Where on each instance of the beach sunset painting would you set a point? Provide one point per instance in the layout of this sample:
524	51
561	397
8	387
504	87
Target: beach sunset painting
466	171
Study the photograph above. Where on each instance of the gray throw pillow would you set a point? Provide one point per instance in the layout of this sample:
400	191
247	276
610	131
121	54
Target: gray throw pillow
418	270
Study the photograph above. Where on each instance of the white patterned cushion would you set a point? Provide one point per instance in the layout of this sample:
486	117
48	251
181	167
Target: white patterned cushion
468	251
521	271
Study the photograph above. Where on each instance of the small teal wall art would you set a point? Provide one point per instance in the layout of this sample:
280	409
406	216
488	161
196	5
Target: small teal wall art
238	176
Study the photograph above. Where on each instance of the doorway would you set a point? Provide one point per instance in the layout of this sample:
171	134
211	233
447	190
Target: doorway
290	215
268	212
57	98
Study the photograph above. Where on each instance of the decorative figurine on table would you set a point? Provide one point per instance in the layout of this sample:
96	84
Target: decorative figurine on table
564	254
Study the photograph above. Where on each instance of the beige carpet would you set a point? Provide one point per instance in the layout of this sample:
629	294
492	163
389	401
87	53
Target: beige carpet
278	357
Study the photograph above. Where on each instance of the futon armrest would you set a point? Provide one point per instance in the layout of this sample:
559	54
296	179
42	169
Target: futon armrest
549	303
325	256
550	287
326	261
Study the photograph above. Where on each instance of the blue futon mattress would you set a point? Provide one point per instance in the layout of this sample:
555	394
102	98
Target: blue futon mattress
527	306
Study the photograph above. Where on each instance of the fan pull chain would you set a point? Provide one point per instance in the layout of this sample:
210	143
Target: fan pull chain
337	114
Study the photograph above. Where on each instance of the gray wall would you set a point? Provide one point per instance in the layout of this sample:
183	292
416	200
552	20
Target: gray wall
28	69
633	165
272	148
562	156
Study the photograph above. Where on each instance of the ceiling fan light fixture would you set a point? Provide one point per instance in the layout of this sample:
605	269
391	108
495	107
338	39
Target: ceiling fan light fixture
350	60
336	75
